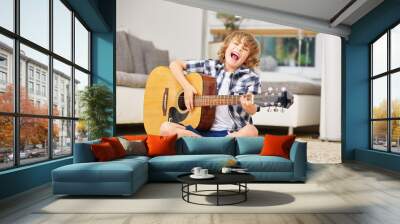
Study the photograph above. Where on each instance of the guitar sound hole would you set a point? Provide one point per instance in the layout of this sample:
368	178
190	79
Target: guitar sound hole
181	102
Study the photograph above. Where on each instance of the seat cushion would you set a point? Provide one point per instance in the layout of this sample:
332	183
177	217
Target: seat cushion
257	163
112	171
185	163
133	80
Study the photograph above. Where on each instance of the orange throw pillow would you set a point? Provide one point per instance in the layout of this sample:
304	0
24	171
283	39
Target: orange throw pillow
161	145
277	145
103	152
116	145
135	137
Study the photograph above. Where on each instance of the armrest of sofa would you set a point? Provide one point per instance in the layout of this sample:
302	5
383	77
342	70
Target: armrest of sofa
298	155
83	152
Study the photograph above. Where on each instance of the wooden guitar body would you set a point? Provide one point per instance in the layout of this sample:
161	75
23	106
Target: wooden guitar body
164	101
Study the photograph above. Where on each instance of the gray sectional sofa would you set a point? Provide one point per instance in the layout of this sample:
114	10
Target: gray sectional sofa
125	176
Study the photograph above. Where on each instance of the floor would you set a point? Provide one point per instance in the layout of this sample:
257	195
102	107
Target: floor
378	188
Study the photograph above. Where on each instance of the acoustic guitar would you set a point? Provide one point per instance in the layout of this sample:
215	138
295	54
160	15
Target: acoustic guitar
164	100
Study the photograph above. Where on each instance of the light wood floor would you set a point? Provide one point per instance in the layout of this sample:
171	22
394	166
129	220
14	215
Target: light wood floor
377	188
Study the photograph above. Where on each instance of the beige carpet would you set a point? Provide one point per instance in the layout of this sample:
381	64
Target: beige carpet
166	198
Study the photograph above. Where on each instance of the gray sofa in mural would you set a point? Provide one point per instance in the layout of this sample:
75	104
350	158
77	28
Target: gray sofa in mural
135	60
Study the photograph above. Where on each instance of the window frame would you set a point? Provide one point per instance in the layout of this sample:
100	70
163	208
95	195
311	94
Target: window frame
388	74
16	114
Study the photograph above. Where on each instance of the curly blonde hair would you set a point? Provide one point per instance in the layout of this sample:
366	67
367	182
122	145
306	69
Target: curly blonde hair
249	41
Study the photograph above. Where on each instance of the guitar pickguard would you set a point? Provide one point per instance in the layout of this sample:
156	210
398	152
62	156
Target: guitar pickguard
175	116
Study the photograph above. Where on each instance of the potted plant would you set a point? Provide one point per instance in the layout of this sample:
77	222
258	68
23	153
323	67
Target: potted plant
96	102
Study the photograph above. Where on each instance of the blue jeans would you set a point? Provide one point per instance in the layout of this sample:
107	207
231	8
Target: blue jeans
207	133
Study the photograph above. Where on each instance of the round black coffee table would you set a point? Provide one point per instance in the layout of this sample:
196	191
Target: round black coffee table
238	179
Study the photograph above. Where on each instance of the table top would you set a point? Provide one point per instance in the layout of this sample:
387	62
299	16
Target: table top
220	178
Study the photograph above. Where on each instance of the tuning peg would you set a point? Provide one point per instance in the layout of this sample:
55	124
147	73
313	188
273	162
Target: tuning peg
275	109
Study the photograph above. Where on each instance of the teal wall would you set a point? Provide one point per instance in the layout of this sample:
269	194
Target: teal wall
100	17
103	53
355	101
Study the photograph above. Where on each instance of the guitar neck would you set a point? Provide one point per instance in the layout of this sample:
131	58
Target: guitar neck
201	101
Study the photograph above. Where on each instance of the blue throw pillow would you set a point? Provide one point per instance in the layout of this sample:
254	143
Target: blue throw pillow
206	145
249	145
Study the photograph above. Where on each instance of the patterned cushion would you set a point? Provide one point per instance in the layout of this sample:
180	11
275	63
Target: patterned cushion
135	147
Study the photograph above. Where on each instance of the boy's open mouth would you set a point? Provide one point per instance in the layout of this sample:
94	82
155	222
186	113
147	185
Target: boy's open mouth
235	56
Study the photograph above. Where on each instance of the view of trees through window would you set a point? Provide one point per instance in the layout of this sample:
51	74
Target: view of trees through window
385	82
38	75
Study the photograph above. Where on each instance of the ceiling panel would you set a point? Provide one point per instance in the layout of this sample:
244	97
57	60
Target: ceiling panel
315	15
320	9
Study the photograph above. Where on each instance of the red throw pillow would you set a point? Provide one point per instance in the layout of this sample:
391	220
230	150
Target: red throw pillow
161	145
277	145
116	145
103	152
135	137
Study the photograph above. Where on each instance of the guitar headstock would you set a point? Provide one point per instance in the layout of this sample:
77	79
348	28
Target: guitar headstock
274	98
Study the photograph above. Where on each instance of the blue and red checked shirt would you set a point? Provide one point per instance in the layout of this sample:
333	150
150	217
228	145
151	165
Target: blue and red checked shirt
243	80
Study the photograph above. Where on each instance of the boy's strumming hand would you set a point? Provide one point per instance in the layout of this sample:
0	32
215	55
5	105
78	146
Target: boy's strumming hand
188	92
247	105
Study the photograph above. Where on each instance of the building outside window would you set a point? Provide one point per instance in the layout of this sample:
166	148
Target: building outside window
30	72
43	90
30	87
44	77
37	75
3	72
38	89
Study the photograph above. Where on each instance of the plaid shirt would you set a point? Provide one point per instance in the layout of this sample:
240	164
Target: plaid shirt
243	81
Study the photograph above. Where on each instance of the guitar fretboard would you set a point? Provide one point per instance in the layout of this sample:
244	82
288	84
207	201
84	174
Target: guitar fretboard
200	101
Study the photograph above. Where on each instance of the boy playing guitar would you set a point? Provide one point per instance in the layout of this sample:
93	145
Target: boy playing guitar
235	76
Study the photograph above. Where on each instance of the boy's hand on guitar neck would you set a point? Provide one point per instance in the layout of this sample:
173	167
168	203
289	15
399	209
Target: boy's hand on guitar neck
247	105
189	91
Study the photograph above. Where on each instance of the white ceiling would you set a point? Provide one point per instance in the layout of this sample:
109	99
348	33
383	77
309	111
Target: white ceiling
316	15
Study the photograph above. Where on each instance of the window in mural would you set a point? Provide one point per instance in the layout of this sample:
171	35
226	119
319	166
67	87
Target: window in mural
289	51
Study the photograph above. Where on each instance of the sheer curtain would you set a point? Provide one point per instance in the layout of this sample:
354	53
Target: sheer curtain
330	124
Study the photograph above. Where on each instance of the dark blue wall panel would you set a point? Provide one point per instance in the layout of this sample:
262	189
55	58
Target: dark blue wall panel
24	178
